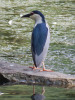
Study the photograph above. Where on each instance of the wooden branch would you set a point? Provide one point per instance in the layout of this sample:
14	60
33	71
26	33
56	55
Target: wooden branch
18	74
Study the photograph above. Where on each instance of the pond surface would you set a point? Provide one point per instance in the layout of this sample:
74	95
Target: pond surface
24	92
15	35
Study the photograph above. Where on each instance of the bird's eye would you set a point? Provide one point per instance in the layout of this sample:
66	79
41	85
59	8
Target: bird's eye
32	13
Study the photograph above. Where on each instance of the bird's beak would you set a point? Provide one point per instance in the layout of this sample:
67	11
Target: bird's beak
27	15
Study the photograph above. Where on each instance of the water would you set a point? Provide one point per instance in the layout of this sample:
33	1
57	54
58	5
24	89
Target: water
15	32
21	92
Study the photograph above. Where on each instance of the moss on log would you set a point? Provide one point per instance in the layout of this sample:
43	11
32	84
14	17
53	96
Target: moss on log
11	73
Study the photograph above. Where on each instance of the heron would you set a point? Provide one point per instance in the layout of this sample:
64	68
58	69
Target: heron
40	39
37	96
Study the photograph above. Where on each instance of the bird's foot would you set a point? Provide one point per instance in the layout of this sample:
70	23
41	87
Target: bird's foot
47	70
44	69
34	68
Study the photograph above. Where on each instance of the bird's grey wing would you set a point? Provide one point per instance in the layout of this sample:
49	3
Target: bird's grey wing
39	36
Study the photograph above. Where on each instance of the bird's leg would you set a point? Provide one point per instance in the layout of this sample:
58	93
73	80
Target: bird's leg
46	69
43	90
33	89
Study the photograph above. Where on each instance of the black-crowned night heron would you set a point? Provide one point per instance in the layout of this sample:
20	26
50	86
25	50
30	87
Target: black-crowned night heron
40	38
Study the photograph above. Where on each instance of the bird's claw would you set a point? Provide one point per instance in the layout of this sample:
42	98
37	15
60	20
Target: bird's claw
34	68
47	70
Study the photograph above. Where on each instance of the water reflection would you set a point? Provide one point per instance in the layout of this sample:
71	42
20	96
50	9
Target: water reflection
24	92
37	96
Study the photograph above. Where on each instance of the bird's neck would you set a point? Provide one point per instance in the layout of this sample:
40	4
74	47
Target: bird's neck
38	21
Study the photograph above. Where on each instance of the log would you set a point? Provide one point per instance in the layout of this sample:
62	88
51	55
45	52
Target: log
11	73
